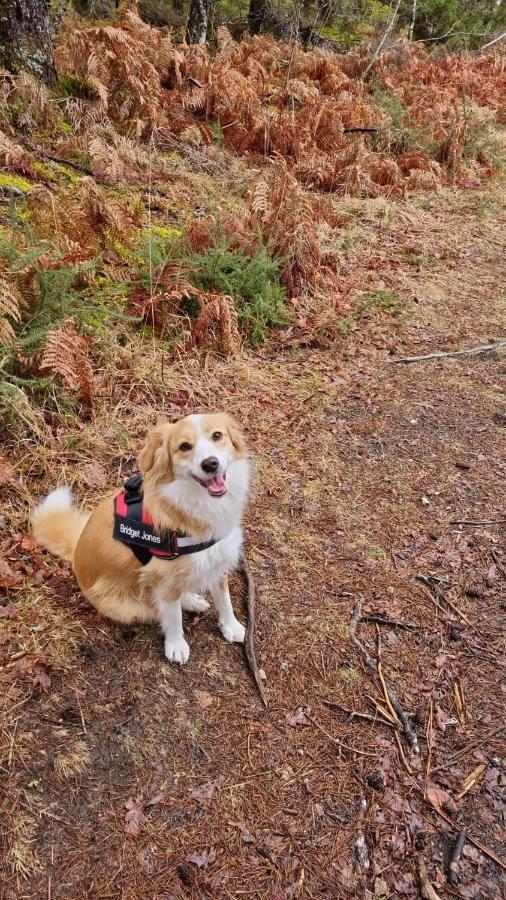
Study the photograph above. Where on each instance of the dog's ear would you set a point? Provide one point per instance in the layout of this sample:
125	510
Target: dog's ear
236	436
156	452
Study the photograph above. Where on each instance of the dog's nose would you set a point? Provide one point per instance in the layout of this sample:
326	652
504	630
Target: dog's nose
210	465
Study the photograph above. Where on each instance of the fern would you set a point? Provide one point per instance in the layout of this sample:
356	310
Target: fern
11	302
216	326
66	355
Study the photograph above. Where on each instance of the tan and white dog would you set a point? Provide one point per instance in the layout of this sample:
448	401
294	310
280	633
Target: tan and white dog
196	476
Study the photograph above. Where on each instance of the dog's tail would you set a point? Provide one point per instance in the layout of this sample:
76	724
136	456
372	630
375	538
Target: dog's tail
57	524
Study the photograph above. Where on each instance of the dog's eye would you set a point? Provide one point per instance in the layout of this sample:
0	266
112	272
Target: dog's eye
217	435
185	447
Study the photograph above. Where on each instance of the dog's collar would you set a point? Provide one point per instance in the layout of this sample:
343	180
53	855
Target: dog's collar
134	527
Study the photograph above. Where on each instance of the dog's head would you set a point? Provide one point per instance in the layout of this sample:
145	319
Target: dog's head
199	450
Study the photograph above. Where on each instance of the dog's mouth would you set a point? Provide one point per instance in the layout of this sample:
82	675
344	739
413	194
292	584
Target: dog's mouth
216	486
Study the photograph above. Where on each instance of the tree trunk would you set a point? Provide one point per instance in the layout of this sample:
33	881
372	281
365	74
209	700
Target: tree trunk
198	19
256	16
25	37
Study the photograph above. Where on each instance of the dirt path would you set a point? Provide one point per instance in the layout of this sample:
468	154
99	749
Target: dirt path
362	465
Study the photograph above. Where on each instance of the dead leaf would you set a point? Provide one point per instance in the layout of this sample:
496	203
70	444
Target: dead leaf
8	473
8	578
438	798
41	676
381	888
9	612
206	792
299	718
204	859
28	543
135	816
246	835
441	719
204	700
161	795
95	476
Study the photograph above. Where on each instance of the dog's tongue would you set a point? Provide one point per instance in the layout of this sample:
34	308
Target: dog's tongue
217	485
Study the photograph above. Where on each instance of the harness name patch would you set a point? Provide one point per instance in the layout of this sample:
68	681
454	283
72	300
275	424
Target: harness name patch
141	535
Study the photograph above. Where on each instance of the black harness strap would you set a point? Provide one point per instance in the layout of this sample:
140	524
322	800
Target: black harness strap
133	499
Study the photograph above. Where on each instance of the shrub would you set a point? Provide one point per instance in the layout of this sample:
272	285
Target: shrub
252	281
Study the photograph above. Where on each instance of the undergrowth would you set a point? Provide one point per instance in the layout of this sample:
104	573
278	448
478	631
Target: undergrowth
252	281
196	194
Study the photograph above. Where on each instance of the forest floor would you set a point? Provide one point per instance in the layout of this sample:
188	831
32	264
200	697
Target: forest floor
126	777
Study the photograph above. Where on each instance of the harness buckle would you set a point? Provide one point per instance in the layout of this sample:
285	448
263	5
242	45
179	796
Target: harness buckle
133	489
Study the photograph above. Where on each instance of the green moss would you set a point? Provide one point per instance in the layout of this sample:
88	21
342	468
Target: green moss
377	302
167	232
348	675
15	181
70	174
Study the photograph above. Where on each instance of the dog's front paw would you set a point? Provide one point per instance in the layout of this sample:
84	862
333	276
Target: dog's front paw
177	650
233	631
194	603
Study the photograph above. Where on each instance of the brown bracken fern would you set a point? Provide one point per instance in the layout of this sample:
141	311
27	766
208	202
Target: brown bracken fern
11	302
66	355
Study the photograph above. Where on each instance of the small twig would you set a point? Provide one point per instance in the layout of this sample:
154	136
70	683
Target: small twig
471	351
495	41
379	668
440	595
429	738
371	664
335	740
394	623
500	562
426	889
249	639
471	780
467	749
381	710
453	868
477	522
352	714
481	847
402	755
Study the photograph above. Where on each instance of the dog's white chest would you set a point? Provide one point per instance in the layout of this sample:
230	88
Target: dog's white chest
210	565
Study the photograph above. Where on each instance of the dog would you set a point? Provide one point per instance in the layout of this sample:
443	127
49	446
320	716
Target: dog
192	491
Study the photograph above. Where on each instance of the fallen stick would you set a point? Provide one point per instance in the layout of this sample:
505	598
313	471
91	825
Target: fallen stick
360	129
471	351
249	638
453	868
481	847
353	714
394	623
371	664
476	522
426	889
